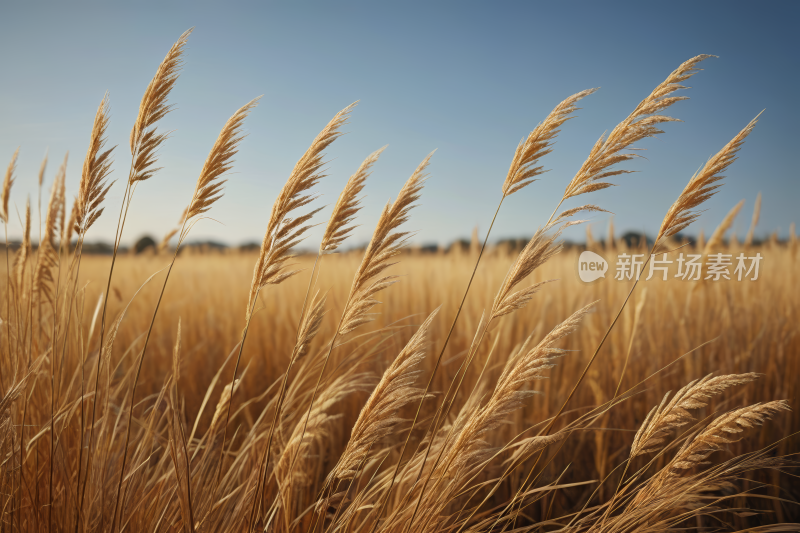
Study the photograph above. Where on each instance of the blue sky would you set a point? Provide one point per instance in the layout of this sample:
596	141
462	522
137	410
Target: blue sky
469	79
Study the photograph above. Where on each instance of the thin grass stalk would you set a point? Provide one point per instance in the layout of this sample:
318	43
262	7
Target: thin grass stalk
276	415
6	194
76	260
151	109
636	318
207	191
68	302
346	492
378	417
176	373
79	311
8	312
451	455
256	508
52	424
384	244
233	383
264	461
82	430
336	231
283	234
135	382
29	322
521	174
452	429
433	373
52	350
499	308
76	265
549	426
21	464
117	237
699	189
435	425
25	406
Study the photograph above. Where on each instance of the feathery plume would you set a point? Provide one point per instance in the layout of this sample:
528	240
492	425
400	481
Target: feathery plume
143	141
96	168
667	416
668	498
178	459
176	354
610	237
637	316
726	429
207	191
384	245
42	168
222	404
171	233
21	258
209	187
701	187
68	228
716	238
527	447
310	325
590	242
756	214
165	241
507	396
300	441
641	123
538	251
378	417
588	208
347	206
538	144
283	233
47	259
62	218
529	365
7	183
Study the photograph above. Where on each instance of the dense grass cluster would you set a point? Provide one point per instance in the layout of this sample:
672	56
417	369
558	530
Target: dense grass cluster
163	392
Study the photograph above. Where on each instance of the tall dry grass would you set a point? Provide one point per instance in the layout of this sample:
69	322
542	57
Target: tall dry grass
234	391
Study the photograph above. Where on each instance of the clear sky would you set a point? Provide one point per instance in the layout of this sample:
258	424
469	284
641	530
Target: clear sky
469	79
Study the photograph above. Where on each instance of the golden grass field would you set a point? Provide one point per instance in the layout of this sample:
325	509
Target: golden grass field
385	389
749	327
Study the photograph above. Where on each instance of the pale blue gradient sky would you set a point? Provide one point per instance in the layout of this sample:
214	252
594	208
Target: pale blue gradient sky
469	79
